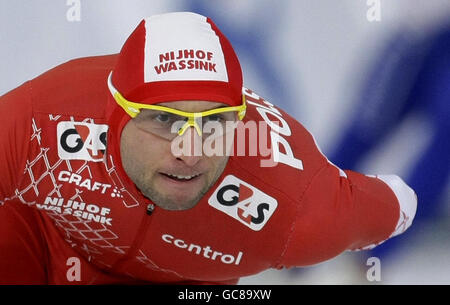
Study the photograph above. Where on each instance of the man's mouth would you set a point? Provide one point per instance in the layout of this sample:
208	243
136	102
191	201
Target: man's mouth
181	178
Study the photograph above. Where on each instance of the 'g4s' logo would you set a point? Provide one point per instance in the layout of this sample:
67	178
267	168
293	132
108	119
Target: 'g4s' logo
243	202
81	141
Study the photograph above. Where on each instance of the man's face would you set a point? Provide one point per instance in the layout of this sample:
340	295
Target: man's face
171	182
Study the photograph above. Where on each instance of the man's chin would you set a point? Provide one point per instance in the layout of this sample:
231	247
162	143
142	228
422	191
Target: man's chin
172	197
174	202
176	205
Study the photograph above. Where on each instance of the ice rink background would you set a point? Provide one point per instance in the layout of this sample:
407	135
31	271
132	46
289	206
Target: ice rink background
305	56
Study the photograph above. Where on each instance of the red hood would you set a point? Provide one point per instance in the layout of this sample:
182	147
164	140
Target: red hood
117	119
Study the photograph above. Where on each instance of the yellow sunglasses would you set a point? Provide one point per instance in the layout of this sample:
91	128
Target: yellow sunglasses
133	109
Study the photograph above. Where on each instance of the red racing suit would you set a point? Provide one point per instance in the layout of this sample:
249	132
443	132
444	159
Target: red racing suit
64	196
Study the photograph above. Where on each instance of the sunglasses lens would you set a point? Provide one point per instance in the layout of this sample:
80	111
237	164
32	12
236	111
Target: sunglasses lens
168	125
161	123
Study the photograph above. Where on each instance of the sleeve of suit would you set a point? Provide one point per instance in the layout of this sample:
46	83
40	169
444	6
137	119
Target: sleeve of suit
22	251
15	120
344	210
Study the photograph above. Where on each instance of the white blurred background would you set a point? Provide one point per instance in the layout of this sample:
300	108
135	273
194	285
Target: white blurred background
308	57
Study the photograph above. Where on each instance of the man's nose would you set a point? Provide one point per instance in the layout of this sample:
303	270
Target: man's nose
192	144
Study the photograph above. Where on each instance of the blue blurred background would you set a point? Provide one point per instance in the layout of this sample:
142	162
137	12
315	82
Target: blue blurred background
376	95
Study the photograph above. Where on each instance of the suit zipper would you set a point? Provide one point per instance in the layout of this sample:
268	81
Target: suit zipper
137	242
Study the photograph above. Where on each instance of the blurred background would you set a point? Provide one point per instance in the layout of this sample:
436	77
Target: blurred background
370	79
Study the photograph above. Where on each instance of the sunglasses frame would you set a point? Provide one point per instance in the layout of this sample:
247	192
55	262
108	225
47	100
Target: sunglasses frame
133	109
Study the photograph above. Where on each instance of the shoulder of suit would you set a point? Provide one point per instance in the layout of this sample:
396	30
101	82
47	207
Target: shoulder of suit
77	87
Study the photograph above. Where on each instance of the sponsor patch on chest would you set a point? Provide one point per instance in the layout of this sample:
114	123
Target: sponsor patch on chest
243	202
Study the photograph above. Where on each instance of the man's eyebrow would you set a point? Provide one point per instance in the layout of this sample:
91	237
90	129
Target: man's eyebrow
223	106
217	107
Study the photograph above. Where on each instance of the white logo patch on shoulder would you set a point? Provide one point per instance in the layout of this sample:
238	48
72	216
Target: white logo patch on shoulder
81	141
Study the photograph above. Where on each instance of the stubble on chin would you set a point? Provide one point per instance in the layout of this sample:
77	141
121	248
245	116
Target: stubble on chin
164	201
